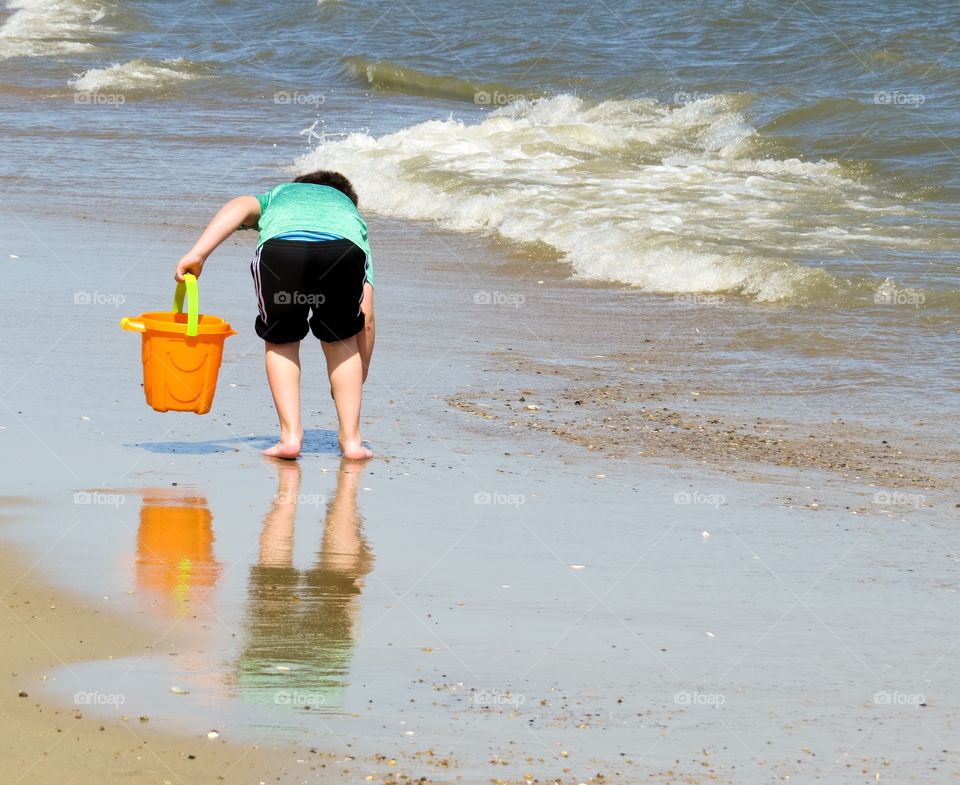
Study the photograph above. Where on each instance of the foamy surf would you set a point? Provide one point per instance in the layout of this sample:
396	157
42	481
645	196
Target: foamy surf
134	76
667	198
37	28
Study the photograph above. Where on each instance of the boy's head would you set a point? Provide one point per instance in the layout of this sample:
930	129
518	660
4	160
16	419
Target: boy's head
333	179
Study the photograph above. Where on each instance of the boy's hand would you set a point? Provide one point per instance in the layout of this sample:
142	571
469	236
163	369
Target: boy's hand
191	263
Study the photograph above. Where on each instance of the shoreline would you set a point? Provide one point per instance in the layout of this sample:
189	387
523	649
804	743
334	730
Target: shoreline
55	743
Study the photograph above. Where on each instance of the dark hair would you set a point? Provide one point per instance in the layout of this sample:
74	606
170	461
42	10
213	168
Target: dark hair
333	179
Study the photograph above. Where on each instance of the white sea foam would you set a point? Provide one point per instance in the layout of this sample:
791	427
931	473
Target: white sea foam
37	28
668	199
136	75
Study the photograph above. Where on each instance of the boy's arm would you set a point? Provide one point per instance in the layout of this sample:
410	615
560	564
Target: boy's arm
234	214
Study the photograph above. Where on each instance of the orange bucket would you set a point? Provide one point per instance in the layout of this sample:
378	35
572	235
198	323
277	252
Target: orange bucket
181	352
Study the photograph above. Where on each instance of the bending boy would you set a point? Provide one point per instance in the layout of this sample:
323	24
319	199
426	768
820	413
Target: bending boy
313	272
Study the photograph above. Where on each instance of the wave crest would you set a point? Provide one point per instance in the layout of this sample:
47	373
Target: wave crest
670	199
38	28
143	76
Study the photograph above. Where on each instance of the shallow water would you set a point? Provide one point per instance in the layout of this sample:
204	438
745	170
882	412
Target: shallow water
792	163
799	154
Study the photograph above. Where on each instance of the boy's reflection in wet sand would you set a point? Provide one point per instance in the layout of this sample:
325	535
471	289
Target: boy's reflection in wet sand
301	622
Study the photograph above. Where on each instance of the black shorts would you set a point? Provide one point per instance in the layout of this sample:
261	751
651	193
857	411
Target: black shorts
305	285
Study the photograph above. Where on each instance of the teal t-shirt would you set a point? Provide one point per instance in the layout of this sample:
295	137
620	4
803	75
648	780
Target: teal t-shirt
293	207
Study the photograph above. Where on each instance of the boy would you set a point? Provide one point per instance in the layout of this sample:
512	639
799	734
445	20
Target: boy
313	271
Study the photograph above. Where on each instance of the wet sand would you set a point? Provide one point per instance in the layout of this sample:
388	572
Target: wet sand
627	418
483	602
45	629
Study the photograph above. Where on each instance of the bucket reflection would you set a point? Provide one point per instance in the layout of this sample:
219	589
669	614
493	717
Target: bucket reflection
175	561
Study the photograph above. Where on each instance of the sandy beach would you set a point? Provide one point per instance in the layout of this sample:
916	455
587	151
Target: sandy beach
447	613
45	629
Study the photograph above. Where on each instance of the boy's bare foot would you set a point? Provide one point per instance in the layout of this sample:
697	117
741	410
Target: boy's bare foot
288	449
355	451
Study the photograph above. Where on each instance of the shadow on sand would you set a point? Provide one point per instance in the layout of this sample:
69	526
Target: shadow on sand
315	441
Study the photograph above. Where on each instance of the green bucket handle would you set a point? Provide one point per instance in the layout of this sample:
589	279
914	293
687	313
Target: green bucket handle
188	286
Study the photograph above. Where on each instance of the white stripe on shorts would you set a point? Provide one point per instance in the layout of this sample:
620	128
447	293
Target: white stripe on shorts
255	269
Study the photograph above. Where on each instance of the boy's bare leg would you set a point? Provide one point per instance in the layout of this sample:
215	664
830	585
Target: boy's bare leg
368	334
345	369
283	372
